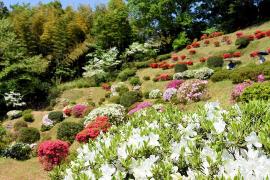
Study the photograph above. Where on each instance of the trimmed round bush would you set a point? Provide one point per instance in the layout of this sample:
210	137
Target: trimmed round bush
29	135
164	57
68	130
122	89
180	68
19	125
146	78
135	81
129	98
242	42
215	61
56	116
257	91
126	73
115	99
220	75
28	117
245	73
19	151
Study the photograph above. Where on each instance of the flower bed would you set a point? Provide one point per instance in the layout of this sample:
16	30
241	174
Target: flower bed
169	93
202	73
239	34
254	54
192	52
236	54
203	59
183	57
209	144
227	55
175	57
155	94
174	84
217	44
163	77
106	86
206	42
196	45
79	110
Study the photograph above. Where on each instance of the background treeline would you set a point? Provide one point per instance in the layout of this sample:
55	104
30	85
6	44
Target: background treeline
47	44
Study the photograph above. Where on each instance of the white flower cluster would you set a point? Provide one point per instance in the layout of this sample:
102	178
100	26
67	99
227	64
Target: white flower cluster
173	145
14	99
202	74
115	113
138	48
155	94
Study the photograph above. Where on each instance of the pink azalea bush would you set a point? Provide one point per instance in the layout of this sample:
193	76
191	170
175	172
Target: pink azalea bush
239	89
261	78
193	90
79	110
174	84
139	107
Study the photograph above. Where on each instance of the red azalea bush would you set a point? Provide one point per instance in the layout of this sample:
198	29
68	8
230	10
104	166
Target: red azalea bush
254	54
106	86
154	65
216	34
268	50
257	32
93	129
188	47
228	42
203	59
183	57
236	54
227	55
163	77
190	63
206	42
251	37
52	153
267	33
225	38
204	36
192	51
195	45
260	35
79	110
67	111
217	43
239	34
175	57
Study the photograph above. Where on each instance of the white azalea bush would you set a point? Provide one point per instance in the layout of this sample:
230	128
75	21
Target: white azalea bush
115	112
212	143
202	74
155	94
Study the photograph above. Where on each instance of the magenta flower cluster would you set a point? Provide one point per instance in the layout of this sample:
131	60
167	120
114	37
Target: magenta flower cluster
139	107
261	78
193	90
239	89
175	84
78	110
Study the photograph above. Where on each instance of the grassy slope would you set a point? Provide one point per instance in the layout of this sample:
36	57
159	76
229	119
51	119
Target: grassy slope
12	169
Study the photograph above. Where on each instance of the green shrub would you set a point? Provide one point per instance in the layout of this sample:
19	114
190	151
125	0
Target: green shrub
129	98
181	41
215	61
135	81
19	124
68	130
56	116
220	75
115	99
19	151
27	111
257	91
126	73
146	94
180	68
146	78
242	42
28	117
244	73
29	135
164	57
122	89
45	128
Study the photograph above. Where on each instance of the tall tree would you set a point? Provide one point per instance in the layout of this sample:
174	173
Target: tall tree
3	10
111	25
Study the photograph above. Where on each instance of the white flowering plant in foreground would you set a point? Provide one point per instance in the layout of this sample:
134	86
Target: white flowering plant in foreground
211	143
14	99
155	94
